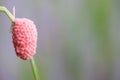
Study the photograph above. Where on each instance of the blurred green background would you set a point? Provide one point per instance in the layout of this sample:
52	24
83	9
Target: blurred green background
77	40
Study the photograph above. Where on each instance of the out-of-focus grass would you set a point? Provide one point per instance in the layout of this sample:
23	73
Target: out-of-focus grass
77	39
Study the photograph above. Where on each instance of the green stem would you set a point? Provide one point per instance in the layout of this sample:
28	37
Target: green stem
12	18
34	68
5	10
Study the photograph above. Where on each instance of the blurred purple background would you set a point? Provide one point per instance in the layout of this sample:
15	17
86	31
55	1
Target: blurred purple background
77	40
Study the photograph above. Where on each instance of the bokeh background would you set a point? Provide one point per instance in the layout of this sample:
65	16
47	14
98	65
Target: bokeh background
77	40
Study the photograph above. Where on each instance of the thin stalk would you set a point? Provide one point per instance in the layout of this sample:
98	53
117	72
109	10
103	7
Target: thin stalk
34	69
12	18
5	10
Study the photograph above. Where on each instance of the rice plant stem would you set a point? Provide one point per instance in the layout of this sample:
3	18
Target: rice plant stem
12	18
34	69
5	10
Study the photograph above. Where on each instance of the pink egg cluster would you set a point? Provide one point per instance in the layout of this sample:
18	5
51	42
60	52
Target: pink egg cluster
24	35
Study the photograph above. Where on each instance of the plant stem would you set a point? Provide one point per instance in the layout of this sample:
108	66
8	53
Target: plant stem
34	68
12	18
5	10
